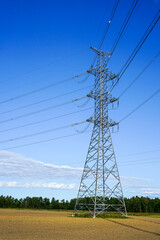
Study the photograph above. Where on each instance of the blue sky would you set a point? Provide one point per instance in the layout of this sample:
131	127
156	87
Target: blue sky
44	42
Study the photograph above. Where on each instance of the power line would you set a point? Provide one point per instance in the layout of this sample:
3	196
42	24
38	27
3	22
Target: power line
40	133
102	20
45	120
45	100
105	32
139	153
131	10
50	77
35	112
138	47
47	140
41	89
141	42
109	23
46	65
140	105
41	110
124	25
106	29
144	162
140	74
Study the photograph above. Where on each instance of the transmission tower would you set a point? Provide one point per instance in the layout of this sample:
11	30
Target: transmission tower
100	187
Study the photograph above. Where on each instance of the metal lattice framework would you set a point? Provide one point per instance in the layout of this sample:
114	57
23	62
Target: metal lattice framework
100	187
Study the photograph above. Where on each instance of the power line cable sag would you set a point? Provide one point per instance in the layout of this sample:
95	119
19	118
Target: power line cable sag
30	82
46	65
104	34
123	27
47	140
155	93
140	160
106	29
42	89
125	163
140	105
41	110
140	74
45	100
45	120
102	20
141	42
138	47
109	23
139	153
35	112
40	133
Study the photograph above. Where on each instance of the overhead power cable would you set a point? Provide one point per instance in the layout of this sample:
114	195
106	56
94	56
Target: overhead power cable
42	88
140	105
123	27
45	120
101	22
139	153
30	82
144	162
45	100
140	160
84	130
40	133
46	131
47	64
109	23
141	42
41	110
106	29
138	47
35	112
47	140
140	74
85	79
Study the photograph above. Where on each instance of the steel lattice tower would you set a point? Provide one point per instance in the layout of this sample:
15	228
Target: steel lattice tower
100	187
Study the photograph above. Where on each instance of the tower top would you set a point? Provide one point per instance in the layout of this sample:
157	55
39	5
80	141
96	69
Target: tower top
100	52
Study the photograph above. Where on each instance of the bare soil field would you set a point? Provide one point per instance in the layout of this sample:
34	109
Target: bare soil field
52	225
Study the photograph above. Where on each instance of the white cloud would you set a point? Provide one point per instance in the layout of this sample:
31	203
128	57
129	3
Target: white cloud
51	185
30	173
151	191
140	187
135	179
17	166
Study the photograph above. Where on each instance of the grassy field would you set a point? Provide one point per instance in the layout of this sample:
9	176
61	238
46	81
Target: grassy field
52	225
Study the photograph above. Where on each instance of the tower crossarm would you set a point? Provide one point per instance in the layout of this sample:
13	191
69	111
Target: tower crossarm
113	99
113	76
113	123
100	52
94	71
105	123
94	95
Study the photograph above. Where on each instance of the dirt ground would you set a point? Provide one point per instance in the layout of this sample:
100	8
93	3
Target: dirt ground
50	225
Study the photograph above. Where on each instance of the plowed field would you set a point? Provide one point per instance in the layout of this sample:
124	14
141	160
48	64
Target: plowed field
50	225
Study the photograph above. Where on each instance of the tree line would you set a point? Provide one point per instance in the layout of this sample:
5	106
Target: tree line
134	204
